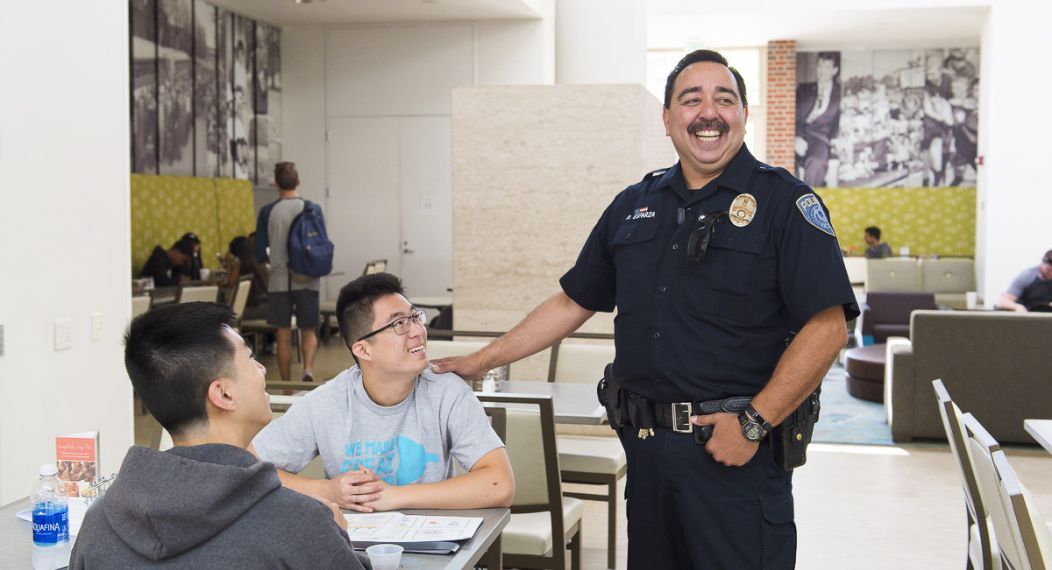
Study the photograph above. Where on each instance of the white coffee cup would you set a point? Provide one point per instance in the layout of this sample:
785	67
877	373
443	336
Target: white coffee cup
205	272
385	556
971	299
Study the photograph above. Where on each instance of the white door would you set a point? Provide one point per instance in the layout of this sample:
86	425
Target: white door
364	203
427	214
390	197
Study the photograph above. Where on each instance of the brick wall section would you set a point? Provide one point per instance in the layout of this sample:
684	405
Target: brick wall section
781	103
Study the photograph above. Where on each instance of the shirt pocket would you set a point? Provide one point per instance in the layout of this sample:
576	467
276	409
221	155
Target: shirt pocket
733	253
635	261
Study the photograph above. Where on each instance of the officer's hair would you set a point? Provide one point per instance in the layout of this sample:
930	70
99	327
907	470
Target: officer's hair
833	56
354	308
873	231
286	176
698	56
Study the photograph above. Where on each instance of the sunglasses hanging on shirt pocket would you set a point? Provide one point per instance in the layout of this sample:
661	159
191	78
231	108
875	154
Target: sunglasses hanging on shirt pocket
698	244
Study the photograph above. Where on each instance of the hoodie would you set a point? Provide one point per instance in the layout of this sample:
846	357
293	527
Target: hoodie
207	506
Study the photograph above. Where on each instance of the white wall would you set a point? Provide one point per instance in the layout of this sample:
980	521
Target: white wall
64	231
399	73
1014	196
600	41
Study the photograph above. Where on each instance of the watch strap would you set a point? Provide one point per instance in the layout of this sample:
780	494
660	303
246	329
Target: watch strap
758	418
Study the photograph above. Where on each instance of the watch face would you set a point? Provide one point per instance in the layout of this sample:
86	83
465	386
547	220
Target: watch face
753	431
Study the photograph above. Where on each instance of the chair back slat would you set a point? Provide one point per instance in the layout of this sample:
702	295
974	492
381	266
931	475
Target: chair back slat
1030	529
580	363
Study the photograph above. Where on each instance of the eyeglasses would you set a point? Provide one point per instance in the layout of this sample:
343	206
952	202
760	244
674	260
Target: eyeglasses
698	243
401	325
1047	260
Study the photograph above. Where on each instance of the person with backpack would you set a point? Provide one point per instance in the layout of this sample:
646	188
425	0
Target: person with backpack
291	235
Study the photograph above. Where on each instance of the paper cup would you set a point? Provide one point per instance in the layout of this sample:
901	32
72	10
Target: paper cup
385	556
971	299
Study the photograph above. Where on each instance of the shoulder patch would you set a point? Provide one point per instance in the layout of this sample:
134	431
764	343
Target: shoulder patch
813	212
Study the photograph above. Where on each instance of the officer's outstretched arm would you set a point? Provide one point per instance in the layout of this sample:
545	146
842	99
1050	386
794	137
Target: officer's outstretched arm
550	321
803	365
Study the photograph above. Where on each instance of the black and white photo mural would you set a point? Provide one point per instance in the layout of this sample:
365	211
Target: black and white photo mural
242	143
195	108
175	86
143	85
206	100
268	101
887	117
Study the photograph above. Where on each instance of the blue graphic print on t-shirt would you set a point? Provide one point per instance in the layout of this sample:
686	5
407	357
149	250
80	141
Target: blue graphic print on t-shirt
382	456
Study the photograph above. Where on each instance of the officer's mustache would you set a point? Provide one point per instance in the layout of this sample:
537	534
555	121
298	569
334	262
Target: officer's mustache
708	125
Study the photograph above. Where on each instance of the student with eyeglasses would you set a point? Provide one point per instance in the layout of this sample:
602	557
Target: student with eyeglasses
1031	290
731	298
388	430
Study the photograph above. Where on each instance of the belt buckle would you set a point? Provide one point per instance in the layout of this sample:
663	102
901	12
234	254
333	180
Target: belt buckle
681	412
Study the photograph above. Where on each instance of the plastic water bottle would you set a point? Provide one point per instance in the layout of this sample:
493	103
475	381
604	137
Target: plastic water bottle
50	520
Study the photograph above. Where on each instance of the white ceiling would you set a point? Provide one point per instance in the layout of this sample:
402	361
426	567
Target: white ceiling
678	24
342	12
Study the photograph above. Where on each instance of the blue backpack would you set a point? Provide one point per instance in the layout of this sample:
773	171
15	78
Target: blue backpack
310	251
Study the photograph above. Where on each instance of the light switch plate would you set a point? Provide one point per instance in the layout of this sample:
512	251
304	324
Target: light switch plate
63	334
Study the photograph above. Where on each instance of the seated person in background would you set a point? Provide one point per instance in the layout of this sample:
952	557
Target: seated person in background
241	260
207	502
175	265
1031	289
877	249
389	428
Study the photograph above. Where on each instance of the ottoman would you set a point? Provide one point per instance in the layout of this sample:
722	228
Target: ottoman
865	372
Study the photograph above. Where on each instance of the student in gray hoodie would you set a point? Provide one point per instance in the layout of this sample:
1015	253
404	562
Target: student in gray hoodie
207	502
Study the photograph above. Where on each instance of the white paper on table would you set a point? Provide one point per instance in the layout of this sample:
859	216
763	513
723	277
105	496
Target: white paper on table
397	527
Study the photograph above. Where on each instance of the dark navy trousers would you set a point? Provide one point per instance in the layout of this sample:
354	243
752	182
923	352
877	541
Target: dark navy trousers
685	510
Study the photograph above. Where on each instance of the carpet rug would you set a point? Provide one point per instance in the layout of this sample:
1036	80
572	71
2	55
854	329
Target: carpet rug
847	419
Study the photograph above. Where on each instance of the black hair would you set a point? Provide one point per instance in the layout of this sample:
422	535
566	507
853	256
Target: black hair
699	56
173	353
833	56
354	308
873	231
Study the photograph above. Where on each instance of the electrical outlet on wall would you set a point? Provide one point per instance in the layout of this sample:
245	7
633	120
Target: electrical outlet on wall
63	334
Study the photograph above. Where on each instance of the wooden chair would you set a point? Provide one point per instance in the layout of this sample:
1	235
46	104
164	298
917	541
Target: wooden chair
193	293
590	460
981	447
375	266
1031	532
240	296
982	551
543	522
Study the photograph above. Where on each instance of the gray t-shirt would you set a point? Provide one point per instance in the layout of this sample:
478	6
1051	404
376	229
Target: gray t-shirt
1023	280
278	223
413	441
879	251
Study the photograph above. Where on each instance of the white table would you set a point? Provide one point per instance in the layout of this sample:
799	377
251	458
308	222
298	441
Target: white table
572	403
1041	430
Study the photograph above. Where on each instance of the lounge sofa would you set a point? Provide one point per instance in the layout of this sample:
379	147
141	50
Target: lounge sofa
995	364
948	278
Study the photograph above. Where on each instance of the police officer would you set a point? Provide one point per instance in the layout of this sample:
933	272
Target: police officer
731	294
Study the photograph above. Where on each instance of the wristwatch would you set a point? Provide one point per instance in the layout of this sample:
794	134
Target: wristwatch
754	427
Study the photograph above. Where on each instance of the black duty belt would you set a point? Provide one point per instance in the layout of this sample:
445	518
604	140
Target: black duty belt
676	415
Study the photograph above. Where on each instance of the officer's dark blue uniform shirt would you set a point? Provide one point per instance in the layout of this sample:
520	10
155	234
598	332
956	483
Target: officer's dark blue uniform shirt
688	330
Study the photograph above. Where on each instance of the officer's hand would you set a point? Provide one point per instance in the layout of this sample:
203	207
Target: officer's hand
727	444
467	367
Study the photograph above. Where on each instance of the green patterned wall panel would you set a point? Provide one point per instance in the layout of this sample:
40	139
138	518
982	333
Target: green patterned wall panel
163	208
939	220
236	214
